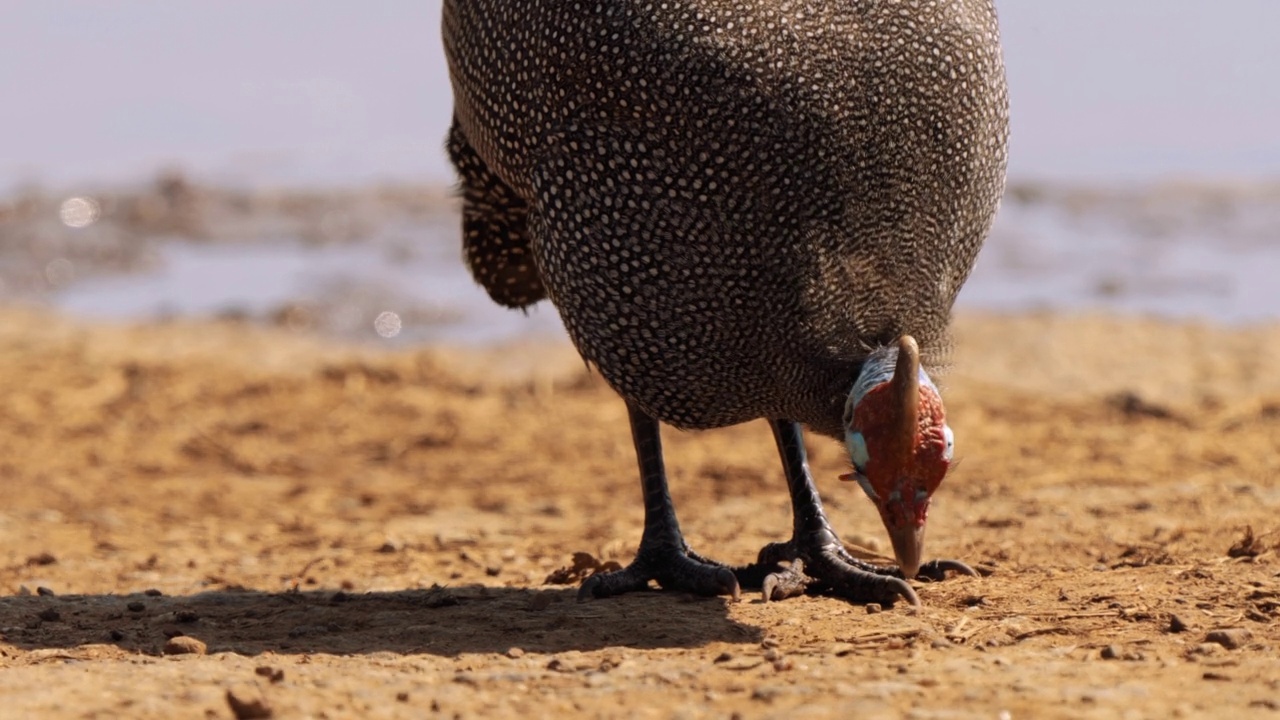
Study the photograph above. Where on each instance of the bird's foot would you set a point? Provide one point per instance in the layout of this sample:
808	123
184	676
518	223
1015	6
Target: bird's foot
826	569
673	568
823	567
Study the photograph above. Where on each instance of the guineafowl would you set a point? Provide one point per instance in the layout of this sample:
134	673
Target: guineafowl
743	209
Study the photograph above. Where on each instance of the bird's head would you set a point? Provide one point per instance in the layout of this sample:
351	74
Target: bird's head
897	435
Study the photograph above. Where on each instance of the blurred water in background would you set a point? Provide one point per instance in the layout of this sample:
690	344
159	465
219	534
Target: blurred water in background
1145	161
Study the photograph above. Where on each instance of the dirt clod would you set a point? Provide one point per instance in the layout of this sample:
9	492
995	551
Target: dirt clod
584	565
766	693
248	704
274	674
1249	545
184	645
1230	638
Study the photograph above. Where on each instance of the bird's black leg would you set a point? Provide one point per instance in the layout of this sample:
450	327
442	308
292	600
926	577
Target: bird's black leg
663	556
818	561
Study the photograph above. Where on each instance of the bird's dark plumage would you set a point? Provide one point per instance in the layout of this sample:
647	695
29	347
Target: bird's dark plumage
731	203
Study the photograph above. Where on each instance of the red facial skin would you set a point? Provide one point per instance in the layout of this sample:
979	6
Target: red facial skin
922	470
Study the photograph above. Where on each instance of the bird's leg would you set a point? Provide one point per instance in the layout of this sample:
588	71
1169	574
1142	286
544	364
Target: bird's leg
663	556
818	561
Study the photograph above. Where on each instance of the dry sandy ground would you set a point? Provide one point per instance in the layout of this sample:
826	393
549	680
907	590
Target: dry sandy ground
360	534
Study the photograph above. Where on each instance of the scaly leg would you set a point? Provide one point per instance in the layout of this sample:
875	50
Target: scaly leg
663	556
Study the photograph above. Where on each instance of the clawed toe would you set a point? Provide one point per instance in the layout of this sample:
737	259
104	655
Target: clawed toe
672	569
857	584
786	573
783	571
936	571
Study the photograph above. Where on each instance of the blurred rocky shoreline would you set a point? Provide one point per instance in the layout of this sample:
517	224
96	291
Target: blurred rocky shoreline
331	261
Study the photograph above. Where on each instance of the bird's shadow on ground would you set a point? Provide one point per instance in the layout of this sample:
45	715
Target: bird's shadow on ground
439	621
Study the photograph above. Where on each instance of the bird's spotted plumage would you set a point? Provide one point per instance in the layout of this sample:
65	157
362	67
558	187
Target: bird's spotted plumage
730	202
733	205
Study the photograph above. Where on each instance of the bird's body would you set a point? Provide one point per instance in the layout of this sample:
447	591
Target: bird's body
731	203
736	200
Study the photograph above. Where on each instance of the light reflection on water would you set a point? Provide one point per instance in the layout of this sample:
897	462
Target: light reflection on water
1043	258
350	286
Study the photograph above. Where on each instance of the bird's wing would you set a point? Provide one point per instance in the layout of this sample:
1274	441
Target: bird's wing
495	234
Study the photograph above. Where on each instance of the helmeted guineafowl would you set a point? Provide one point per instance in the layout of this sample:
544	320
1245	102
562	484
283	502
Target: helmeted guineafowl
742	209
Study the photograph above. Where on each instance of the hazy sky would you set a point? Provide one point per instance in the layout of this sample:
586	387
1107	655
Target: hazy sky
327	91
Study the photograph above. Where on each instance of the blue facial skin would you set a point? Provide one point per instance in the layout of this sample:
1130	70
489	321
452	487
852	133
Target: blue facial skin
857	446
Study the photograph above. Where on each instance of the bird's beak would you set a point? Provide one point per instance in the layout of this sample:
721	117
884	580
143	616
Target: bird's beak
906	533
908	547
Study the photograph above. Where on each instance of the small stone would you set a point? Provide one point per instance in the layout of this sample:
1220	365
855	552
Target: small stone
184	645
275	675
136	606
515	652
1230	638
769	642
402	696
50	615
45	592
115	636
873	608
1111	652
152	592
941	644
1177	624
722	658
247	704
